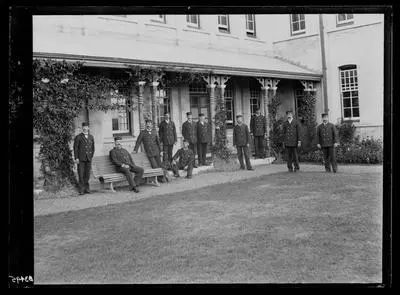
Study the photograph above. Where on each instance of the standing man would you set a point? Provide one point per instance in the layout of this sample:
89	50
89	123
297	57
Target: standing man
203	139
151	144
291	132
257	128
327	138
123	161
186	159
189	132
83	154
241	139
167	133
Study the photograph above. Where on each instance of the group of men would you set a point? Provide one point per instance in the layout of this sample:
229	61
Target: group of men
196	137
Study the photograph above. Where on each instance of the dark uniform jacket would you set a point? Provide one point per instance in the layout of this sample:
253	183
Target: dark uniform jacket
167	133
291	133
150	141
121	156
203	134
185	157
257	125
241	135
327	135
83	148
189	132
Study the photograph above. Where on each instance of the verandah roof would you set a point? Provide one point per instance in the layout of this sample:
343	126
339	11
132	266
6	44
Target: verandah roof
128	52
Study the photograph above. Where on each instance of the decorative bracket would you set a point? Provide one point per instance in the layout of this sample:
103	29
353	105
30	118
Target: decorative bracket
308	85
219	80
268	83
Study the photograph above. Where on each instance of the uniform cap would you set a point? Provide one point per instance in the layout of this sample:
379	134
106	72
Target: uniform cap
85	124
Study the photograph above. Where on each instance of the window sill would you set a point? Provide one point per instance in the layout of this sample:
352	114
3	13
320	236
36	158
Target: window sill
349	27
295	37
226	35
195	30
354	120
254	39
124	135
159	24
342	24
119	19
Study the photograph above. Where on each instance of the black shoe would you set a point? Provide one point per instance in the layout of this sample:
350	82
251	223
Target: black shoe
189	176
327	171
135	189
81	193
251	169
88	192
177	175
296	169
242	168
195	166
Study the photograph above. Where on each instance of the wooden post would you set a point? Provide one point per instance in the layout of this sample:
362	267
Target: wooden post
212	110
140	105
154	86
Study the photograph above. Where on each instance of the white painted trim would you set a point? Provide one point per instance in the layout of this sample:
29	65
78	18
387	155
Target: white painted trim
296	37
227	35
160	25
254	40
352	27
117	19
196	31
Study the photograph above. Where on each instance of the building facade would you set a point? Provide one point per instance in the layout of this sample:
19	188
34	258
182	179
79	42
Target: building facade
246	59
353	49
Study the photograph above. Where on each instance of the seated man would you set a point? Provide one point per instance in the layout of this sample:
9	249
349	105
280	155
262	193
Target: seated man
186	159
124	164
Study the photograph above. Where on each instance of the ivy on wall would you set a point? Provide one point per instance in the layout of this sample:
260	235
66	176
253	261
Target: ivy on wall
276	135
61	90
306	111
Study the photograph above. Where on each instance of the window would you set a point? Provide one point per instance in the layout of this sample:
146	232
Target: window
199	100
163	96
255	97
345	18
250	25
223	23
349	92
229	107
121	119
299	103
193	20
159	18
297	24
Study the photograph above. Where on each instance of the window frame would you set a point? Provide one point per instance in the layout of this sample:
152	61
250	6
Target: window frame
251	33
199	90
166	97
300	31
254	107
162	20
229	95
221	27
347	21
191	24
127	131
349	88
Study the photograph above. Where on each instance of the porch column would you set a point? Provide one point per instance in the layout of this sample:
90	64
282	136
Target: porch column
140	105
212	110
154	102
268	87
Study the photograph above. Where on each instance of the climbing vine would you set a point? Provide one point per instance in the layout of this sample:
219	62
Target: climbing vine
276	135
306	111
61	90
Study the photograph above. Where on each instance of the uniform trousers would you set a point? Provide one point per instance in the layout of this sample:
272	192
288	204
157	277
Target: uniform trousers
259	146
167	154
193	147
292	157
243	151
202	152
180	166
84	168
330	158
133	182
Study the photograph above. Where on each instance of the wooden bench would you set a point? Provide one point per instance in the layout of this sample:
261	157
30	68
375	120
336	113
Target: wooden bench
104	170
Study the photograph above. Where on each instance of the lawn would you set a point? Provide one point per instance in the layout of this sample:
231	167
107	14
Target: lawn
307	227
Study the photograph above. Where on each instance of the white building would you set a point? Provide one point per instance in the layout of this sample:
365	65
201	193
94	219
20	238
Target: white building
252	57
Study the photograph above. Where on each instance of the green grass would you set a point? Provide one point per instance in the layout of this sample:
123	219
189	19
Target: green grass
307	227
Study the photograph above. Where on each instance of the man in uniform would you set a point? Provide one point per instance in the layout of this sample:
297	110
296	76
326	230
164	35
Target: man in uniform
189	133
167	134
327	140
123	161
203	139
83	154
257	128
241	139
186	159
291	132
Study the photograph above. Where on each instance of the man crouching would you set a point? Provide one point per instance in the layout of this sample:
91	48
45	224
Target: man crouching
186	159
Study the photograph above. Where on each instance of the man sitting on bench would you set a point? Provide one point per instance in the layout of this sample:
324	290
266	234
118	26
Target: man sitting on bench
186	159
124	164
